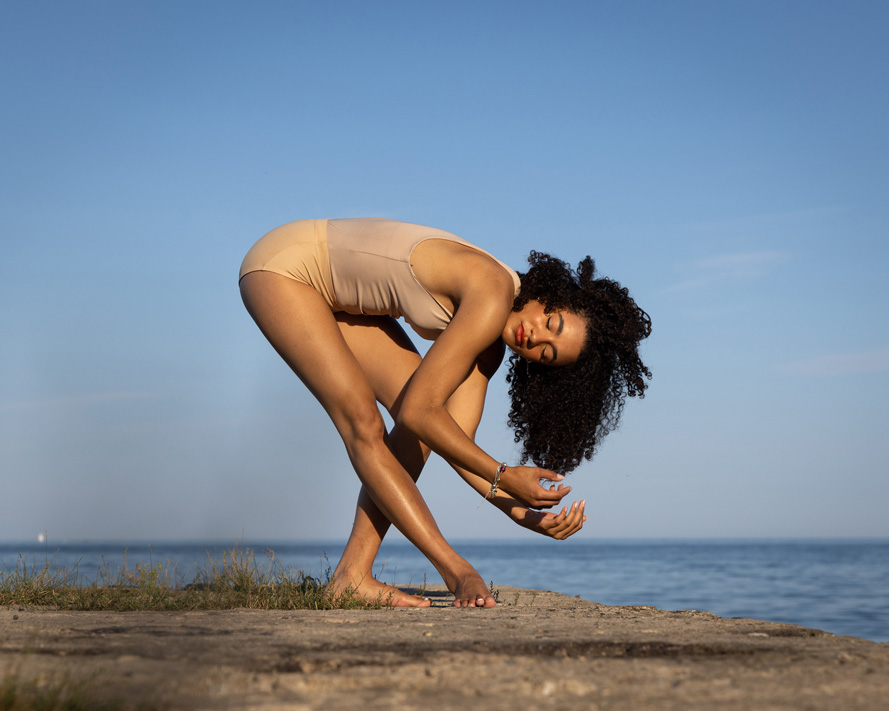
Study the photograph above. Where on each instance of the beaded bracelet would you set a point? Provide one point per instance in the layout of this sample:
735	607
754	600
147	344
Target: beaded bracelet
493	490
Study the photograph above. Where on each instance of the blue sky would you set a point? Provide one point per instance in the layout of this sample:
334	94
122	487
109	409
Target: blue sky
725	161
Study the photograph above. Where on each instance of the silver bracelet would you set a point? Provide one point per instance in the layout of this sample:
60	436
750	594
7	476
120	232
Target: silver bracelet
493	490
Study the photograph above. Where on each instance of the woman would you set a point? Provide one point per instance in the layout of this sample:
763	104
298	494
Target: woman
326	294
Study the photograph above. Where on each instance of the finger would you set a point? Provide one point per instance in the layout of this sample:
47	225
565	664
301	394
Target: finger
548	499
570	516
554	493
576	514
570	522
552	476
576	521
553	523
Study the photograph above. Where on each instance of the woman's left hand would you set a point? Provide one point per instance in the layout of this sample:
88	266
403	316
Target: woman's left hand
525	484
559	526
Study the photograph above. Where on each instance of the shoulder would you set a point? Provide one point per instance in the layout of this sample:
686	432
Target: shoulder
461	271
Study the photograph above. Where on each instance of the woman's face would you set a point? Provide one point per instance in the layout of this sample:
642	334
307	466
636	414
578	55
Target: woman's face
554	338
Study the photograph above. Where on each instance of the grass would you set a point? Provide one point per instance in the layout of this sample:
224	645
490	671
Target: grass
67	694
238	580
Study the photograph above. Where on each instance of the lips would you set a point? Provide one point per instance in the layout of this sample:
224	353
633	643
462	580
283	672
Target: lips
520	335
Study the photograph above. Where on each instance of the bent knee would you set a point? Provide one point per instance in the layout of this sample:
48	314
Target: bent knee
362	426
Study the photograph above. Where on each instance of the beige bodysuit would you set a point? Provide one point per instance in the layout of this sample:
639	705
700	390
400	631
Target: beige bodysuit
360	266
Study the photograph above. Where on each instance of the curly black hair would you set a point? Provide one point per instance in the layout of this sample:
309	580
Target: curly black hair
561	414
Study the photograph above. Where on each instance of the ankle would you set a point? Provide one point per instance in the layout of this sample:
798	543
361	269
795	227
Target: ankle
456	576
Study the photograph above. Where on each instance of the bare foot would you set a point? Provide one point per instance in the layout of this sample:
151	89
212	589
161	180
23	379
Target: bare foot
471	591
373	591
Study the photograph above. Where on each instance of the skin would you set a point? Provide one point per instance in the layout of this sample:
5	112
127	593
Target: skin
352	362
554	338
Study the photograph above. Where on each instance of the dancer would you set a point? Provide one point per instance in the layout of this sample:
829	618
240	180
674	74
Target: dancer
326	294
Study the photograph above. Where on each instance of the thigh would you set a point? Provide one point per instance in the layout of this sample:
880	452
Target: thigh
389	359
385	353
299	324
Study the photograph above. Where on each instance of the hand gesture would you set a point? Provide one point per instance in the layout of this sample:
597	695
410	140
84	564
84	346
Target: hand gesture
559	526
523	484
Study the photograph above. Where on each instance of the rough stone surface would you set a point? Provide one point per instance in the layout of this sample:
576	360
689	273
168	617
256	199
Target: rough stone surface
535	648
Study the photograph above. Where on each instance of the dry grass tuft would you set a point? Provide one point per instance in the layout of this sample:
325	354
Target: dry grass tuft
65	694
237	580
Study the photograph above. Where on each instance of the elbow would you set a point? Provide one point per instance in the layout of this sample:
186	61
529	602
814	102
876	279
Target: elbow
411	416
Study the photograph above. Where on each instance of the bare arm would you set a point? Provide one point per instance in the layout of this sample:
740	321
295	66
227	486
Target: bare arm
566	523
484	293
466	406
474	329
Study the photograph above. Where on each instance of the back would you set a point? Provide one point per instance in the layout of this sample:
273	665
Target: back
371	270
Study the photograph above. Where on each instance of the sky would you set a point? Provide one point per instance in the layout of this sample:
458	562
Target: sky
727	162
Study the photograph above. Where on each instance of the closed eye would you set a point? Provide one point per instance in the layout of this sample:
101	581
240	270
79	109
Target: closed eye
554	351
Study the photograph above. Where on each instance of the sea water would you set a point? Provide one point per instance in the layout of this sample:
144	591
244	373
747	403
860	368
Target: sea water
839	586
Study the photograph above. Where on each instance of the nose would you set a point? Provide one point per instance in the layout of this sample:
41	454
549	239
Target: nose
534	341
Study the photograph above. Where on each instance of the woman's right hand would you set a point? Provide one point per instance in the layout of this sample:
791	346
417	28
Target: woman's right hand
559	526
523	484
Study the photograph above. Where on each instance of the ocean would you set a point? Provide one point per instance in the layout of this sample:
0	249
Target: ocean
839	586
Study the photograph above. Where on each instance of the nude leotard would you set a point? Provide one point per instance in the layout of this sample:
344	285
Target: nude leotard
360	266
